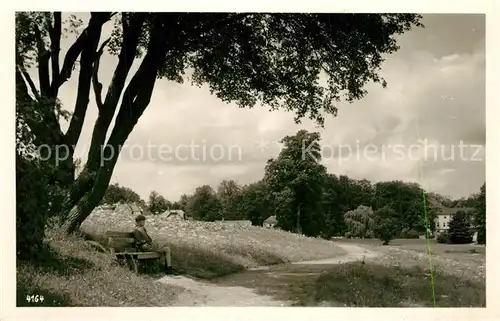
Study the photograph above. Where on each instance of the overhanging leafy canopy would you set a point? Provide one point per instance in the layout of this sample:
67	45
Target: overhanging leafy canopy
301	62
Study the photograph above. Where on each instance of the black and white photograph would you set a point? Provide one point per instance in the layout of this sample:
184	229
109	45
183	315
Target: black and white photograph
250	159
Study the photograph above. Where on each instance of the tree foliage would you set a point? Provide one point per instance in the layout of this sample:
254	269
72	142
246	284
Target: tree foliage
360	222
295	179
409	201
255	203
480	215
121	194
38	193
157	204
229	196
460	228
386	224
204	205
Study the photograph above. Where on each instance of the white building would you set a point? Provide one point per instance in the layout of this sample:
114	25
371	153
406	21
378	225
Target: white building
444	217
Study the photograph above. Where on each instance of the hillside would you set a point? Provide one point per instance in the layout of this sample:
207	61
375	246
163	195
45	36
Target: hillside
211	249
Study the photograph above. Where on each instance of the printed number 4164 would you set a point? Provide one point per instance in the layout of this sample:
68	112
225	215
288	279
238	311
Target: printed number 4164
35	298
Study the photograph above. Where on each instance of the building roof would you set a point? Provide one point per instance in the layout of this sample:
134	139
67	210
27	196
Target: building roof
271	220
173	214
453	210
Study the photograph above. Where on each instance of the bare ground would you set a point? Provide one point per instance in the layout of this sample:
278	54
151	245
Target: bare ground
242	289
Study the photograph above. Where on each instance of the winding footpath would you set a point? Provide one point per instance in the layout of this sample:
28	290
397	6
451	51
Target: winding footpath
203	293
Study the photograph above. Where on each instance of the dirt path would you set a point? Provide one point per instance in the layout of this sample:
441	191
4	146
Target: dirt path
246	288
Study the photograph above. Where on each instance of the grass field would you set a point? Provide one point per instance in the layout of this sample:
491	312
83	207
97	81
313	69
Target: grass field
462	260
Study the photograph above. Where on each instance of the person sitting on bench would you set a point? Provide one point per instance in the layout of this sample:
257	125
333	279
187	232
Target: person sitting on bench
144	243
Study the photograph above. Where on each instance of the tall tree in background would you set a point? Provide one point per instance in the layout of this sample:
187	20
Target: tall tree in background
228	193
255	202
272	59
360	222
121	194
296	179
407	199
333	208
181	204
204	205
459	229
158	204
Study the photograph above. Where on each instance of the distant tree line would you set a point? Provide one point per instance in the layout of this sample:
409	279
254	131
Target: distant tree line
306	199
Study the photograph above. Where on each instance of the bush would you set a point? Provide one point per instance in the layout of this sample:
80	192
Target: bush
409	234
39	190
372	285
443	238
32	207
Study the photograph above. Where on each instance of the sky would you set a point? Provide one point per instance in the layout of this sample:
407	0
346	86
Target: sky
427	126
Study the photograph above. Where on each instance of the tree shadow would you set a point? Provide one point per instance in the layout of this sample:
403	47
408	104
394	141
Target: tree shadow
52	261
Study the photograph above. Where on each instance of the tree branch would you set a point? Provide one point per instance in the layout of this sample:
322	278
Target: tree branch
22	93
76	49
87	61
71	56
29	81
55	48
43	64
131	32
195	39
141	85
95	75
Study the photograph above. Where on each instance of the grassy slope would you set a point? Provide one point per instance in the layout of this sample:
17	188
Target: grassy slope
209	250
73	274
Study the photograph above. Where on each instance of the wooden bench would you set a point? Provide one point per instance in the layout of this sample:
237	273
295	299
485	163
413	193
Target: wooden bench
122	246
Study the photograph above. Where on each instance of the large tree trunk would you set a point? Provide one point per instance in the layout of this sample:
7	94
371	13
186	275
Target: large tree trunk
90	199
139	91
131	31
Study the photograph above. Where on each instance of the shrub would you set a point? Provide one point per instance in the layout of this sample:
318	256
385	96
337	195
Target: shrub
32	206
39	181
409	234
38	199
443	238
